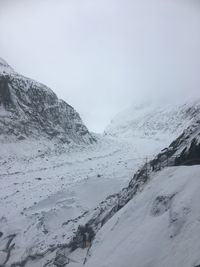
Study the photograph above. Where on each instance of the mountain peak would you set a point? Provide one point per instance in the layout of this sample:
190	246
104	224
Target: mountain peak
31	109
5	67
3	62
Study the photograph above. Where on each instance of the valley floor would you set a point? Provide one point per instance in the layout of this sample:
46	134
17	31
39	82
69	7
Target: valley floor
47	190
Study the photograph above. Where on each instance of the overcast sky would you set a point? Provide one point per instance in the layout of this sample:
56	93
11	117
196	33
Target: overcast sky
102	56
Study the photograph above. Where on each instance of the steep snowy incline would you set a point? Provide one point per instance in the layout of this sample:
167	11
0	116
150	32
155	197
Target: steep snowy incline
159	227
30	109
185	150
154	121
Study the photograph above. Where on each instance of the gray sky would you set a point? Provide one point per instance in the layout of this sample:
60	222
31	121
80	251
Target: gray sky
101	56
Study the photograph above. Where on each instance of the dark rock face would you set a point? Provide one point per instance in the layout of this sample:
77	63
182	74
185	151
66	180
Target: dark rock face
190	156
4	92
30	109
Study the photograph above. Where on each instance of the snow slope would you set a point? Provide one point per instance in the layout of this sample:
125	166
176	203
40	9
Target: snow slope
158	227
154	121
183	150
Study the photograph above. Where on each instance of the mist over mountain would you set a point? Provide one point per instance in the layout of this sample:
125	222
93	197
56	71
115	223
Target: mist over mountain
154	120
100	148
102	57
69	196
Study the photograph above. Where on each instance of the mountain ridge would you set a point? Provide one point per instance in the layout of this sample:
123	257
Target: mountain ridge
31	109
155	121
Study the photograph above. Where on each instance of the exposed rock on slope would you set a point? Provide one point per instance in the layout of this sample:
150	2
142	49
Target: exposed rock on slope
30	109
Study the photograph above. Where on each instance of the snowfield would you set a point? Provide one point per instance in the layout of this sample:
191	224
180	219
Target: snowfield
155	121
47	188
158	227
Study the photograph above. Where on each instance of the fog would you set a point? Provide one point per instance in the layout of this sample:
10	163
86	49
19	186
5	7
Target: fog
101	56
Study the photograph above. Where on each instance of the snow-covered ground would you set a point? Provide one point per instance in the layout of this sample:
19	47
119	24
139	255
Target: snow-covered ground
44	186
48	189
158	227
155	120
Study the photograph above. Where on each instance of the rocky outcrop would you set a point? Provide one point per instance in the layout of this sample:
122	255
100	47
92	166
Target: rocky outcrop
30	109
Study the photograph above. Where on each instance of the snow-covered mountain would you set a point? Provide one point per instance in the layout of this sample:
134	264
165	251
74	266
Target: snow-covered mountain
30	109
143	212
154	121
159	225
47	191
157	212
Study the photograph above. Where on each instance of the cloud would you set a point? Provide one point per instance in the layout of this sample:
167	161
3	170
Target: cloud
103	55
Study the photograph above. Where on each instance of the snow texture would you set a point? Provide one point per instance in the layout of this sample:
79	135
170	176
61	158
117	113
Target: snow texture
154	121
138	237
